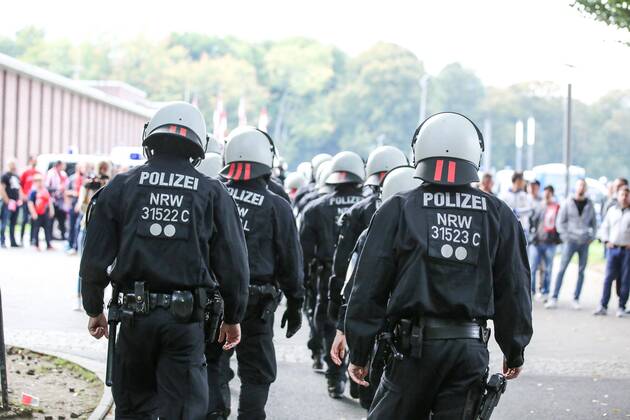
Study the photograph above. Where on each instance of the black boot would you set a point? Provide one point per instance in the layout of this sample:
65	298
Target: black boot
336	387
318	362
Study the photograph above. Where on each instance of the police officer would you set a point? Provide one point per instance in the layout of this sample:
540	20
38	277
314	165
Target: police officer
401	178
438	262
292	183
275	263
166	233
212	163
316	341
319	233
308	188
357	218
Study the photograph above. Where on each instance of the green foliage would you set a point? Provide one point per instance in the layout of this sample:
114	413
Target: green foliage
321	99
611	12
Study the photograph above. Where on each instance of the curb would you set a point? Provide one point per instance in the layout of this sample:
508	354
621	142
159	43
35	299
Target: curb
96	367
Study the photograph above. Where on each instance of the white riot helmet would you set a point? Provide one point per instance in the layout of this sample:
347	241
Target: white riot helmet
347	168
382	160
323	171
306	170
248	154
213	146
211	165
318	160
180	124
294	181
398	180
447	149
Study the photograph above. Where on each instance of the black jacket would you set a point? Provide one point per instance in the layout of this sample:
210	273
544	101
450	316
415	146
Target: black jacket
443	252
277	188
353	222
168	225
322	221
272	240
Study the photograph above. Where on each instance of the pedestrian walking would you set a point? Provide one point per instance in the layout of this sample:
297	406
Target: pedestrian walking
486	184
175	235
438	262
26	181
56	178
40	204
577	226
517	199
12	203
545	239
615	234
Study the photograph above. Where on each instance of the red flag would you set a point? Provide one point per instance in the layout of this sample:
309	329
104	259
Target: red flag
263	120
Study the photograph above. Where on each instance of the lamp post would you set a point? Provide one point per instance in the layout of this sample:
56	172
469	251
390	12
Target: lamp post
567	141
518	141
424	83
487	140
531	141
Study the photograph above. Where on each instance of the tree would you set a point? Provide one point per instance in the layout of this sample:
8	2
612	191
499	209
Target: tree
379	99
611	12
455	89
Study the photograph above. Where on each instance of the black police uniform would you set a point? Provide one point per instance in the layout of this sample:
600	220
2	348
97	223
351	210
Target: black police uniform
302	191
354	222
275	259
447	259
277	188
319	232
165	224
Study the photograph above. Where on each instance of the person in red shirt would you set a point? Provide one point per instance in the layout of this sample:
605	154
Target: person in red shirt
26	182
40	205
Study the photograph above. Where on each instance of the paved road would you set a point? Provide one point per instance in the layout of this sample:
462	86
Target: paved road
578	366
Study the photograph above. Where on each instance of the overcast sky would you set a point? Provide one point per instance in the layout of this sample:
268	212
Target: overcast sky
503	41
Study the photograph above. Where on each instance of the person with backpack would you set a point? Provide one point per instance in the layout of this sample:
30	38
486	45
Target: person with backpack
545	239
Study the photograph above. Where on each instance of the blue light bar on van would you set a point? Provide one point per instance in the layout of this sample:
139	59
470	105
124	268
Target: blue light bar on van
135	156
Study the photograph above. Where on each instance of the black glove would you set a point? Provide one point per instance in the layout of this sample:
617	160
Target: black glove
292	317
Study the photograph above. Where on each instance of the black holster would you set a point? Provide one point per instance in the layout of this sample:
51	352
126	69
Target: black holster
212	305
267	296
493	390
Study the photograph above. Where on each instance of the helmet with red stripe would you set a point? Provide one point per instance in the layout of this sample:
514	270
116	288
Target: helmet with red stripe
248	154
346	168
381	160
178	126
447	149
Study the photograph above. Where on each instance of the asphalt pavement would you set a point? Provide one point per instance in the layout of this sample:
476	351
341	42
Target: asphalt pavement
577	366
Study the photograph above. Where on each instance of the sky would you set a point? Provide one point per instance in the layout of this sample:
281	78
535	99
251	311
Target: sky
503	41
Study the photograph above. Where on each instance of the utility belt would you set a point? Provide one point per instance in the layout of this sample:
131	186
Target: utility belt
184	305
409	335
267	296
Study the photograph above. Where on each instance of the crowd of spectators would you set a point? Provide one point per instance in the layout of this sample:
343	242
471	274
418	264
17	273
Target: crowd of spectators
572	224
52	204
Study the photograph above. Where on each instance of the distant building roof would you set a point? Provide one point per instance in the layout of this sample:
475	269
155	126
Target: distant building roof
75	86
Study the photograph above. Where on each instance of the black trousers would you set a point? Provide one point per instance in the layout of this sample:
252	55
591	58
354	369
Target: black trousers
446	383
42	222
160	369
256	357
60	217
315	341
327	328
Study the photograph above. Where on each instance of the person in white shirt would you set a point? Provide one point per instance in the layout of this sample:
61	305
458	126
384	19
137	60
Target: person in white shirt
615	234
516	198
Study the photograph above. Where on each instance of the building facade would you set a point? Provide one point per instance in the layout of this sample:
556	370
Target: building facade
43	112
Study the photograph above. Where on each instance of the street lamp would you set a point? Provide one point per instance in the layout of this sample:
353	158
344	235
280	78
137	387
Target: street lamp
531	141
518	141
424	82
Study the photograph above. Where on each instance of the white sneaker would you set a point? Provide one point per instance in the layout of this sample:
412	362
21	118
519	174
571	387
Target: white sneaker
78	306
576	305
552	304
538	297
621	313
600	311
